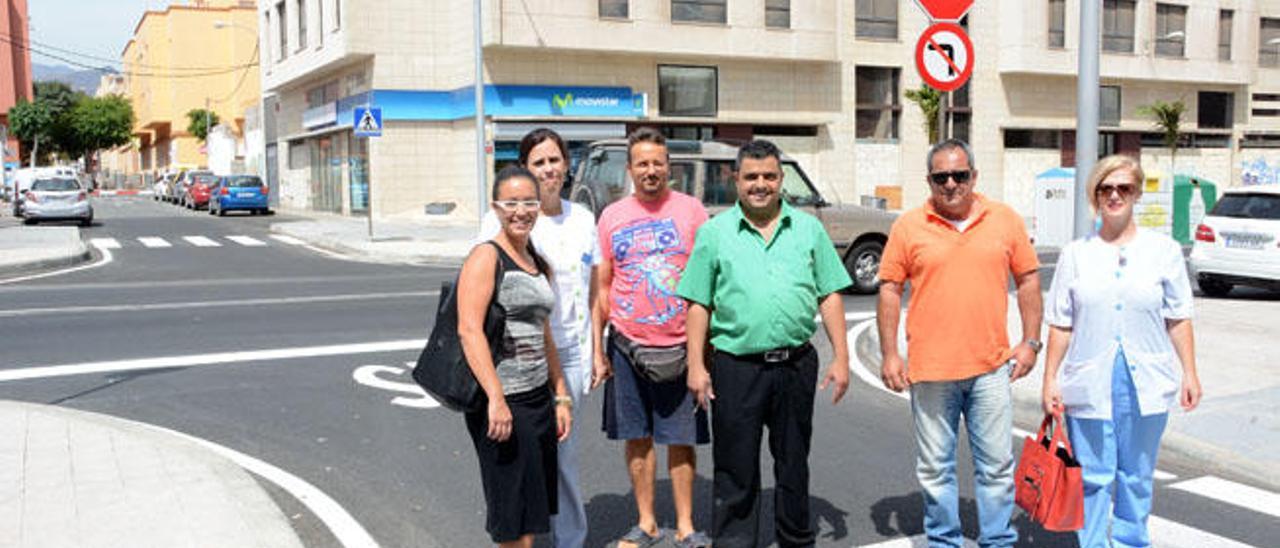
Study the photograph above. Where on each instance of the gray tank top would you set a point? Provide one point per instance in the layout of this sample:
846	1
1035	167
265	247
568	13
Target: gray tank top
528	300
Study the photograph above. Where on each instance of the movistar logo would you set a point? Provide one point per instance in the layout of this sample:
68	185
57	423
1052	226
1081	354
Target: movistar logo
566	101
562	101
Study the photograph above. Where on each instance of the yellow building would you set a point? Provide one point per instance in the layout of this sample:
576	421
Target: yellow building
185	57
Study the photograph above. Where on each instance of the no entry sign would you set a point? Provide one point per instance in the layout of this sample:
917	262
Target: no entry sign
945	10
944	56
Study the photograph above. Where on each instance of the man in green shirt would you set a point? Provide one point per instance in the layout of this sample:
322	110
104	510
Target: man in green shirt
757	275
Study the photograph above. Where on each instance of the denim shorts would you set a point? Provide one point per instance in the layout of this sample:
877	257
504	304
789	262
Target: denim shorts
636	408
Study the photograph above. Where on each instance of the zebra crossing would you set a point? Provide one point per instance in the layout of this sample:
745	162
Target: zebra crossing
192	241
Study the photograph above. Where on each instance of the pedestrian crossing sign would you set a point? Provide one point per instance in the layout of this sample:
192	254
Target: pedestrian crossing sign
368	121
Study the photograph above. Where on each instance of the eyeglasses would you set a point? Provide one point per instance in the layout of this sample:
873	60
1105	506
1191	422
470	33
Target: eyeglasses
1125	191
940	177
512	205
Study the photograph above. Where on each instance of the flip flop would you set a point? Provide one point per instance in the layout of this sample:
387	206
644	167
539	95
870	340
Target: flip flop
696	539
640	538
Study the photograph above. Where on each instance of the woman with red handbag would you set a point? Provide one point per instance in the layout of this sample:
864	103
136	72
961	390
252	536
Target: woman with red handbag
1120	354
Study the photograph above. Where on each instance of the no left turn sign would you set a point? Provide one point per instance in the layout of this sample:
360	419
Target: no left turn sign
944	56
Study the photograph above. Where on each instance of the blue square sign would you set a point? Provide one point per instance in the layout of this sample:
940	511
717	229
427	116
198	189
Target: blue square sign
368	121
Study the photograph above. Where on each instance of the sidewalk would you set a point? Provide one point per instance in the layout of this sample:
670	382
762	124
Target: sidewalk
425	241
74	478
25	249
1235	429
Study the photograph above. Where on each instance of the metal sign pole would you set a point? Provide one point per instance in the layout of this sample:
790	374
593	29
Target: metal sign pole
1087	99
481	164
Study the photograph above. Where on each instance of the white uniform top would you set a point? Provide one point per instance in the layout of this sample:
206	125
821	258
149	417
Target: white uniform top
569	244
1117	298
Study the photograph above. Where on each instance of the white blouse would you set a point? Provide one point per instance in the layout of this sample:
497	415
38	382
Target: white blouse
1117	298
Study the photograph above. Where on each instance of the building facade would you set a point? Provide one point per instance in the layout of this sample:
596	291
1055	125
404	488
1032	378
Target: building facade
825	80
15	67
197	55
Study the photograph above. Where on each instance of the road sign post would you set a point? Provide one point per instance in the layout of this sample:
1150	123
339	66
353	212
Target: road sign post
366	121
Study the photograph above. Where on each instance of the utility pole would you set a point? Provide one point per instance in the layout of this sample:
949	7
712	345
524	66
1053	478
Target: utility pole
481	163
1087	99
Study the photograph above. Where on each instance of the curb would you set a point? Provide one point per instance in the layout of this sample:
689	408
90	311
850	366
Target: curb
339	247
85	254
1179	444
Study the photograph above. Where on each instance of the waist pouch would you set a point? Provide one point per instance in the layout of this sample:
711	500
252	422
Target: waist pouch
658	364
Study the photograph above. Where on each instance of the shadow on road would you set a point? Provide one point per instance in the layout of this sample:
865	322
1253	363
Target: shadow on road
903	516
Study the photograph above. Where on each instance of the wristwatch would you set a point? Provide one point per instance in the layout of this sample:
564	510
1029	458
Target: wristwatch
1035	345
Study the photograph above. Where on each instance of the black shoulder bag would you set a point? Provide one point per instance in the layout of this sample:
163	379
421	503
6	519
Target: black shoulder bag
442	368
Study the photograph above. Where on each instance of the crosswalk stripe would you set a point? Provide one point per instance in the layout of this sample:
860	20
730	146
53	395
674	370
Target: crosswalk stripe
1164	533
201	241
287	239
105	243
247	241
154	242
1230	492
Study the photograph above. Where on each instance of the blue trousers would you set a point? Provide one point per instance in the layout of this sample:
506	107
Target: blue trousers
569	525
1118	457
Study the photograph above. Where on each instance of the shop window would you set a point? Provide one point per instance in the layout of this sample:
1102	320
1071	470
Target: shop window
687	91
1225	18
680	177
615	9
1269	43
699	11
298	155
1058	24
688	133
1260	140
1171	30
302	24
1215	110
876	19
1046	139
283	25
878	109
777	14
1117	25
1109	106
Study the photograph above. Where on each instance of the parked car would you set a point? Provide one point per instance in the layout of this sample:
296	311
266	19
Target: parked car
158	188
705	170
1238	242
197	188
181	182
239	192
57	199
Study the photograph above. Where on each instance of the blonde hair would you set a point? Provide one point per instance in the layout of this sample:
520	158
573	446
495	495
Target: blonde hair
1105	167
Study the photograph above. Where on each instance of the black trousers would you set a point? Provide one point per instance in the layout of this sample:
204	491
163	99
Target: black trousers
751	395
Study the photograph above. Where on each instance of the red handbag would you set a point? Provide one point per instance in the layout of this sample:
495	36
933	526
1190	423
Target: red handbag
1049	483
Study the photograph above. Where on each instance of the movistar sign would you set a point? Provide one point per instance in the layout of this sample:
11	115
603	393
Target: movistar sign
506	100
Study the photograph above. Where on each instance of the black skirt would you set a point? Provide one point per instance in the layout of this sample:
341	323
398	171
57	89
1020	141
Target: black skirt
519	475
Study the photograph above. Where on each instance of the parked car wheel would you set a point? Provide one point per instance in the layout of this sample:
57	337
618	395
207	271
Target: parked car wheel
29	222
1213	287
86	222
222	212
863	264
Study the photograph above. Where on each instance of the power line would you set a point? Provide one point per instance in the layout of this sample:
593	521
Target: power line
103	70
51	47
242	76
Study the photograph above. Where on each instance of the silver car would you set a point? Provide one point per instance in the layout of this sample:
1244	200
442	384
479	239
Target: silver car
56	199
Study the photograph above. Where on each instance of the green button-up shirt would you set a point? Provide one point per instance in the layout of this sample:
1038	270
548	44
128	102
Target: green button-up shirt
762	295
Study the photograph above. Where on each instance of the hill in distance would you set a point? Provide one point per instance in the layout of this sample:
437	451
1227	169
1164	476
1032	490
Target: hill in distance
85	80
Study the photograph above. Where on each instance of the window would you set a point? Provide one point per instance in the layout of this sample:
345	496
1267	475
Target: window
1269	43
1109	106
320	21
699	11
284	30
616	9
959	114
1117	25
1058	23
719	188
266	30
337	14
1260	140
1266	97
878	110
302	24
1266	112
1171	30
687	91
298	155
1252	205
877	19
1224	34
1215	110
1048	139
777	14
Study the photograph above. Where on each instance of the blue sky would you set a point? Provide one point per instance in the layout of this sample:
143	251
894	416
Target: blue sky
99	28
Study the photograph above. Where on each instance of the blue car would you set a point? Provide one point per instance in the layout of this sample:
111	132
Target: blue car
239	192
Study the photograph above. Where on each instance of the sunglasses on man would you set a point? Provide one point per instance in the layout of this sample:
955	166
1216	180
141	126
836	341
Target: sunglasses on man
940	177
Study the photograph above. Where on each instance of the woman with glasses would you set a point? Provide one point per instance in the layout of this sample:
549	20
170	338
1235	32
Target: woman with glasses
528	402
1120	354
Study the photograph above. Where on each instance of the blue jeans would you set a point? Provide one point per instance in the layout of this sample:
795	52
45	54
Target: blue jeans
985	402
569	525
1117	455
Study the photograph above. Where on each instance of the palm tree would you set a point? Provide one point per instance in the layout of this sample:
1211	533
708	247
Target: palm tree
929	100
1168	120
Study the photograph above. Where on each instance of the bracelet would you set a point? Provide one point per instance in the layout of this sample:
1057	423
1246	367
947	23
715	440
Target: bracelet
564	400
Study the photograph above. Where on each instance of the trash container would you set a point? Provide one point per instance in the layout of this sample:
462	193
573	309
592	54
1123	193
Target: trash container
1192	198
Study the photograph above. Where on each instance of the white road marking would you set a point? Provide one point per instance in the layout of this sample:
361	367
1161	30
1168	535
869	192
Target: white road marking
154	242
201	241
1161	475
344	527
247	241
105	243
214	304
1230	492
369	375
287	239
1164	533
219	358
106	259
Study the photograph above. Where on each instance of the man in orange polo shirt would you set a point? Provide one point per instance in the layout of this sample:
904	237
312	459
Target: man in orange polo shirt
958	251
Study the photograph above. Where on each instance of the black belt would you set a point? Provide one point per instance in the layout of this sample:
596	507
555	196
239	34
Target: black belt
777	355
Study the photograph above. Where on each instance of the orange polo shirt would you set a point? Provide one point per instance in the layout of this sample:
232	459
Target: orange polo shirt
957	320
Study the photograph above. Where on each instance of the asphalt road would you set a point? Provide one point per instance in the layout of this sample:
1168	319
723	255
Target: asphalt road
347	418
